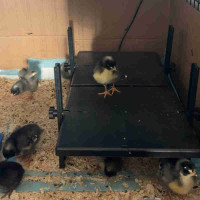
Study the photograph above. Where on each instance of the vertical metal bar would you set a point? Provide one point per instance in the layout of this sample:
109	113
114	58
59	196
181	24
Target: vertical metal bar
71	49
169	48
58	91
194	75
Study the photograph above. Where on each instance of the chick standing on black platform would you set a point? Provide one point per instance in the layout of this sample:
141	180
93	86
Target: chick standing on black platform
11	174
106	73
22	141
178	174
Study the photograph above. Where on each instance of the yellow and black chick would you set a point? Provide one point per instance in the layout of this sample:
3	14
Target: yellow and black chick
105	72
11	174
65	71
22	141
112	165
178	174
28	81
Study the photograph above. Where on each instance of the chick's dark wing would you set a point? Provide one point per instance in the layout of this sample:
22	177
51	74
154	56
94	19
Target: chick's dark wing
169	172
22	72
32	80
98	67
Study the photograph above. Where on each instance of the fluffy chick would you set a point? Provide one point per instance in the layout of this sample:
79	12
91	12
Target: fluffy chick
66	71
112	165
11	174
28	81
178	174
105	72
22	141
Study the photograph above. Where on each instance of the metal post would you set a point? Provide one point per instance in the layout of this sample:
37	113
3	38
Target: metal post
169	49
194	75
71	49
58	91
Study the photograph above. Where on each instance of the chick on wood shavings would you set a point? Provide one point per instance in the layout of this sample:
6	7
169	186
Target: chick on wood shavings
22	141
11	174
112	165
178	174
28	81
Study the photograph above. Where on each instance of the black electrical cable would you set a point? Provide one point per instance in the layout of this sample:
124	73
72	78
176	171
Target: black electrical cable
127	29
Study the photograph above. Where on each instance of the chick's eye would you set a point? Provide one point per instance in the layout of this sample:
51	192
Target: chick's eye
185	167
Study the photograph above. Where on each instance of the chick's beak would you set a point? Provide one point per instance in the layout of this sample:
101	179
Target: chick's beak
193	172
15	90
114	68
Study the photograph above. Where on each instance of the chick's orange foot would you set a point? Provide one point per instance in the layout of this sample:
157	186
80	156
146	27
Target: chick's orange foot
105	93
114	89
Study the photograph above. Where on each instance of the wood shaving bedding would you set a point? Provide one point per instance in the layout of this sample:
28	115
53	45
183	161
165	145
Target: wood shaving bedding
17	110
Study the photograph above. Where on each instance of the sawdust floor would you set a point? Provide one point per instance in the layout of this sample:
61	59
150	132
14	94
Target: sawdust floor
18	110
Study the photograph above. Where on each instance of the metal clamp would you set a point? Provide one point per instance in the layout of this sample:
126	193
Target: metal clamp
52	112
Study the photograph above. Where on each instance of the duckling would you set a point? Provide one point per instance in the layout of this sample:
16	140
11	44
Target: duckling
11	174
112	165
105	72
22	141
178	174
28	81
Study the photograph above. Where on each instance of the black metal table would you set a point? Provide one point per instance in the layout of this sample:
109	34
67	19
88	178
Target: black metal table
145	119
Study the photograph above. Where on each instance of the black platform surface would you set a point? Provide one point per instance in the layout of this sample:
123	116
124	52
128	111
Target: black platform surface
132	99
142	120
139	67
